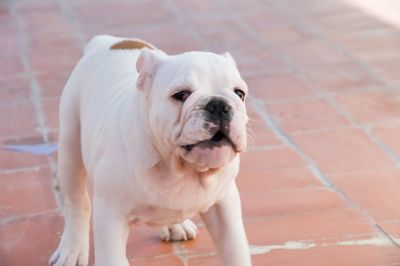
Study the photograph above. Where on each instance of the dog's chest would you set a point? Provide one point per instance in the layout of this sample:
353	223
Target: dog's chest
158	216
168	203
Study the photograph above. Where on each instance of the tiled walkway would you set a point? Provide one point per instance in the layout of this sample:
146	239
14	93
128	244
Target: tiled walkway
320	183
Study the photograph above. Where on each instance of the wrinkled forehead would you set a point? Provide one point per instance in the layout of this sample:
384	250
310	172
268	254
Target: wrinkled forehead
201	68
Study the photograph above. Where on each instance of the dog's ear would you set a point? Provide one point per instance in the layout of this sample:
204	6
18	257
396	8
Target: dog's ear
228	56
148	62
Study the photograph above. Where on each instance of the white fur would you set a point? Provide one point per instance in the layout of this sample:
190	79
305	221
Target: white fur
128	140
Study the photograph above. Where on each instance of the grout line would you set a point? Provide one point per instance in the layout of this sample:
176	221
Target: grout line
16	218
387	150
395	241
248	74
385	168
344	241
287	190
150	257
35	168
339	108
206	254
366	129
392	221
315	96
177	252
254	36
323	130
70	17
180	253
293	215
36	96
375	241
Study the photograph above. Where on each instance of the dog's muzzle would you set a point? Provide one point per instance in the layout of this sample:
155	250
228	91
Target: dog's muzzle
219	113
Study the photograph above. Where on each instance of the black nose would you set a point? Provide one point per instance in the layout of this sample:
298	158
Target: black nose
220	109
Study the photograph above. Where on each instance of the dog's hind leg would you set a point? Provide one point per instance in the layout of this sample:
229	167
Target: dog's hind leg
177	232
73	248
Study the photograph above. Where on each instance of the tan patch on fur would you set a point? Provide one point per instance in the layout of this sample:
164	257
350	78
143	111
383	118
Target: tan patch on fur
132	44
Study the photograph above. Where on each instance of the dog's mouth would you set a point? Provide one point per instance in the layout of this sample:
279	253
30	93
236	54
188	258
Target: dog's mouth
219	139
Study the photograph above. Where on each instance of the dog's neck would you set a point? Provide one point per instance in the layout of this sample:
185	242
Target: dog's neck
176	169
136	136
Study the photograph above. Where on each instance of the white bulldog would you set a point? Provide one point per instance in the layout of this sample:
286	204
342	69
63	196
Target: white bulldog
161	141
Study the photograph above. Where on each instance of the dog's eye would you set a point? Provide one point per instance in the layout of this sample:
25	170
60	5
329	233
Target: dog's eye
181	95
240	93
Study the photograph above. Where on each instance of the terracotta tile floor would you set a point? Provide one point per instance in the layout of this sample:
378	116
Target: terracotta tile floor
320	184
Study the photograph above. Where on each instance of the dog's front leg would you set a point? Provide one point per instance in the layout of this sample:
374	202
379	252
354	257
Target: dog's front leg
111	230
225	224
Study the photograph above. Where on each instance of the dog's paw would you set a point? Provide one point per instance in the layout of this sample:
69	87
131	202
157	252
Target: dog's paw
178	232
71	252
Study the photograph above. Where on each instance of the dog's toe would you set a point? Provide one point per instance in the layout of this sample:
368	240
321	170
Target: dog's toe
70	253
178	232
54	258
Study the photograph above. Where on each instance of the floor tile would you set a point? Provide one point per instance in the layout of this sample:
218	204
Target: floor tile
175	41
144	242
203	243
348	21
319	8
324	226
274	27
204	261
50	108
339	77
375	191
342	150
387	70
51	85
14	88
199	8
13	160
311	52
278	86
285	202
17	119
10	64
26	193
372	107
258	133
278	158
349	256
303	115
268	180
20	243
388	134
170	261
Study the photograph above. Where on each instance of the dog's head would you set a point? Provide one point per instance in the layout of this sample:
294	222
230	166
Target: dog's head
195	105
